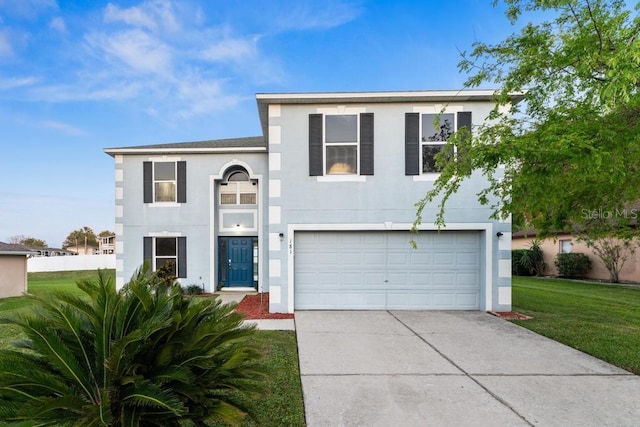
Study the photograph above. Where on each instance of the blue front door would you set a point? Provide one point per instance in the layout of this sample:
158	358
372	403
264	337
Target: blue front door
236	263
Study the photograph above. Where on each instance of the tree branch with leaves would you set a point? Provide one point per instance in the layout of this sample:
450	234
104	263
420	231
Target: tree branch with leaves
573	144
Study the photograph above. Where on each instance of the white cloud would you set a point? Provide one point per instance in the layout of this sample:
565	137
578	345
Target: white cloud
58	24
63	128
231	49
111	90
27	8
136	49
5	47
16	82
200	96
161	56
308	15
152	15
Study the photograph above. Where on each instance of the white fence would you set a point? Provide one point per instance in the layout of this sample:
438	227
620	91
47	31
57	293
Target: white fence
69	263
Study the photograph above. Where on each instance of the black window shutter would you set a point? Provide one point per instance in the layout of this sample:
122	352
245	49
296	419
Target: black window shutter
366	144
412	144
315	145
464	120
182	257
147	181
148	251
182	182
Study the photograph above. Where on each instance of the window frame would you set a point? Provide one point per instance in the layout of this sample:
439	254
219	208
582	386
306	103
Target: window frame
326	144
150	252
413	152
238	190
562	242
166	257
365	146
157	181
422	143
150	181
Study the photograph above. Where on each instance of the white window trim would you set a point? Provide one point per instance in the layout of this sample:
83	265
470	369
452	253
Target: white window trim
433	109
153	160
340	110
213	208
162	234
254	186
326	144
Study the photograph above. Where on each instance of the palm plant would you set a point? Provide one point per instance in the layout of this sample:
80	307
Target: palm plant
142	356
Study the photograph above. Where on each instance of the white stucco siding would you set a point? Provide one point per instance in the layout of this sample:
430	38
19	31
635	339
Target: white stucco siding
197	219
387	196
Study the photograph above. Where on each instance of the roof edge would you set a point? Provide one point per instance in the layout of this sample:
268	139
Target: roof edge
175	150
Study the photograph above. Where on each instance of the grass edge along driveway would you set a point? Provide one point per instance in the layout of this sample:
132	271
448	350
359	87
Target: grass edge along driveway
602	320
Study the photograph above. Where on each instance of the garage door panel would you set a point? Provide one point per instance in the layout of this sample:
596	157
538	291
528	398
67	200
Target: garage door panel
374	258
444	280
466	258
417	258
467	280
469	300
402	301
380	270
467	239
444	258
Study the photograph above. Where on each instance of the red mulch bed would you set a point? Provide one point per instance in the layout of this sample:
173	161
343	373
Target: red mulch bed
510	315
257	307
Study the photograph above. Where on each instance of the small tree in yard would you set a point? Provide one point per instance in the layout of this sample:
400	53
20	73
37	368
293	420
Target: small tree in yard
613	252
532	259
141	356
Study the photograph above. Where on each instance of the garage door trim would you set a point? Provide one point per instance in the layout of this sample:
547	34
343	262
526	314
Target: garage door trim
486	301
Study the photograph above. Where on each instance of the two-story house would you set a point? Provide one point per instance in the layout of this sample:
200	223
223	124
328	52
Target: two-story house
317	211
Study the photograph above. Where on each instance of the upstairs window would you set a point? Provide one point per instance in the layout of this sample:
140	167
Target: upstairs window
165	182
433	138
238	189
423	140
341	144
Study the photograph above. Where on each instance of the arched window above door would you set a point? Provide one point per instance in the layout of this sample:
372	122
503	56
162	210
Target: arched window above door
238	189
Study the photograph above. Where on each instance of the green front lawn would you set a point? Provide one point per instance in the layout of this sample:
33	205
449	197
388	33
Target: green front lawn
601	320
279	405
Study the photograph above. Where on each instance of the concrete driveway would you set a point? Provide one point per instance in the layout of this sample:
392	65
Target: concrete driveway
409	368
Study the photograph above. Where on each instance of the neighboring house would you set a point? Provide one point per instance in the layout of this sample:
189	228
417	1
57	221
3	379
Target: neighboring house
83	250
552	246
13	269
317	211
50	252
107	244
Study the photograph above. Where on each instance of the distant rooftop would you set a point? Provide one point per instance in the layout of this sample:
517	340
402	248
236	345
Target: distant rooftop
251	143
13	249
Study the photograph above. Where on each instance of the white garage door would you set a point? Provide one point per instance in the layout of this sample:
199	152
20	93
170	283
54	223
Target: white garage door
380	270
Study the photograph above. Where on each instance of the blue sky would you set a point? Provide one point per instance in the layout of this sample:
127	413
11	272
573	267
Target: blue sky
79	76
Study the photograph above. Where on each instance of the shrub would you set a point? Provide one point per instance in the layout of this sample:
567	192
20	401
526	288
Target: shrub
574	264
532	259
193	289
143	356
517	269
